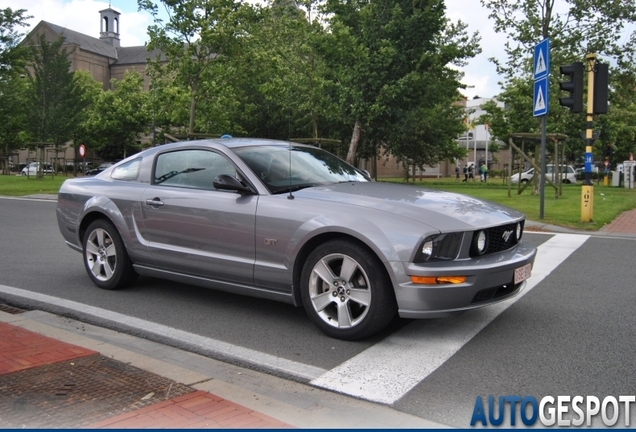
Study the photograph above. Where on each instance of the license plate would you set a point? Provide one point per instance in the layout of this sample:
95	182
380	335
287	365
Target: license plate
523	273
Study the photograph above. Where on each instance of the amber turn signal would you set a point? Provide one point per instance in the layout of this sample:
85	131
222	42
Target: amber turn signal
436	280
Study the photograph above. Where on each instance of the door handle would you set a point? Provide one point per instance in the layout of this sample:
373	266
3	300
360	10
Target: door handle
155	202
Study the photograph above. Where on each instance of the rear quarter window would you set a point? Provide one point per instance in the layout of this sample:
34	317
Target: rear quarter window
127	171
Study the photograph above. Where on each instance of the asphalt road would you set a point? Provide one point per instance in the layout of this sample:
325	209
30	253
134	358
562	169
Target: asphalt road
571	333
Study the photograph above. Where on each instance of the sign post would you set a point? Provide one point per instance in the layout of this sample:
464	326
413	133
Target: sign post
82	153
540	104
628	172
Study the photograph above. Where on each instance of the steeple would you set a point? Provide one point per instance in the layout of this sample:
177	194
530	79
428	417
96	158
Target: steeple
109	30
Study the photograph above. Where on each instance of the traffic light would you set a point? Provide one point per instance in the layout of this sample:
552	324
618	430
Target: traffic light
601	81
574	86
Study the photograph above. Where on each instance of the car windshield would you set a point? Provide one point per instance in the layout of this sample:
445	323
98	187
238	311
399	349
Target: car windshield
283	169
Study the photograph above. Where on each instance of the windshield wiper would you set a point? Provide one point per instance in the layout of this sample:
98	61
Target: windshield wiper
171	174
294	188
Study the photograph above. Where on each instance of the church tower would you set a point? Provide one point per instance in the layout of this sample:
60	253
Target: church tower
109	30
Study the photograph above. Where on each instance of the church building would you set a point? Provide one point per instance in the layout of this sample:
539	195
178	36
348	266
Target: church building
104	58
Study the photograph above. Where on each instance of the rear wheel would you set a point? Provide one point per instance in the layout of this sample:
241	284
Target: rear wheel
346	291
105	257
524	181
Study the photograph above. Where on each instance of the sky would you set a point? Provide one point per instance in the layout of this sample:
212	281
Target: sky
83	16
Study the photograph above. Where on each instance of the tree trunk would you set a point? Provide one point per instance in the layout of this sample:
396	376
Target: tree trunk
355	138
193	108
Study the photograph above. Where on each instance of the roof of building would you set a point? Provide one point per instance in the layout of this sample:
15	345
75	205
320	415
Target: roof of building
137	54
87	43
121	55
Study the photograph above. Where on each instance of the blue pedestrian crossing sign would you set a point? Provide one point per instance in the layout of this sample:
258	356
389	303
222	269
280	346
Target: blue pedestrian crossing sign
540	99
541	59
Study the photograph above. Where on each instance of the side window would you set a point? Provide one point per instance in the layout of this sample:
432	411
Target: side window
127	171
191	168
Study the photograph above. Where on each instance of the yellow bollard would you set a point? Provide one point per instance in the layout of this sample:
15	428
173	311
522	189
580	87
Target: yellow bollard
587	202
605	180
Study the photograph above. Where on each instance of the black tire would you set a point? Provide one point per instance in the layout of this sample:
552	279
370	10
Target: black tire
105	258
524	181
338	278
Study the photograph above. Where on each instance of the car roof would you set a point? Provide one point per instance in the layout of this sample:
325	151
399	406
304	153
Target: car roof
237	142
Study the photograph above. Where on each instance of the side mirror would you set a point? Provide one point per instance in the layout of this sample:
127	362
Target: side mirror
228	182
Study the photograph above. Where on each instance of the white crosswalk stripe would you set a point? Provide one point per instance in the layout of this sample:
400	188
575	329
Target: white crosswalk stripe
388	370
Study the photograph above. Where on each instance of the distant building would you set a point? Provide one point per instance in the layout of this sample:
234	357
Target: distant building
477	137
104	58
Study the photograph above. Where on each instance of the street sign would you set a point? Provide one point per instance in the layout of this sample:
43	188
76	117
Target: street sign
540	99
82	150
542	59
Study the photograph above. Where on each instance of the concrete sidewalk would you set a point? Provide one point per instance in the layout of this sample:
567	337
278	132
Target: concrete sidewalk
59	373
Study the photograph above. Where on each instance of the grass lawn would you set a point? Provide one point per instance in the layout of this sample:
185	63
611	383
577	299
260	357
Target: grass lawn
16	185
565	211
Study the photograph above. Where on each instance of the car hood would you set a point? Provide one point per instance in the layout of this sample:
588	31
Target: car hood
445	211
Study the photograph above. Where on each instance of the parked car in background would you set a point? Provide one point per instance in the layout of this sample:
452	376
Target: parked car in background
100	168
568	174
33	168
294	223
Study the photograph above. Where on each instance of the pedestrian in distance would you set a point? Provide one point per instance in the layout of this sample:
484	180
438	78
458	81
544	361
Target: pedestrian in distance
470	172
456	172
465	173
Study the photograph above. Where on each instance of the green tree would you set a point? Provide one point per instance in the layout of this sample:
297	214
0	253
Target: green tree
575	28
12	55
90	91
198	37
119	119
13	114
55	100
390	59
289	40
12	85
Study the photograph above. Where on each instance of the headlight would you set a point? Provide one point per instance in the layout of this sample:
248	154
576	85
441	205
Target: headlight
439	247
519	231
480	242
427	249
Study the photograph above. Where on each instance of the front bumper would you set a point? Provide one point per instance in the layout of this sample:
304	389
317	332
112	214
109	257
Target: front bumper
489	279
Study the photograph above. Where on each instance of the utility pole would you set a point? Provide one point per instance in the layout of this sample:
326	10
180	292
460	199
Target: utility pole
587	191
597	94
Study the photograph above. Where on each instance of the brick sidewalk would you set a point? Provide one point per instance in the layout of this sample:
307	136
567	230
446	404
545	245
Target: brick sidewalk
625	223
50	383
21	349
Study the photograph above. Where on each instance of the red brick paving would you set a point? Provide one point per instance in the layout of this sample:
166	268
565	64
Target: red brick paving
194	410
625	223
23	349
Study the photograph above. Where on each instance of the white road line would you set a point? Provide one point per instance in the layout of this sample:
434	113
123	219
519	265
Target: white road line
222	350
388	370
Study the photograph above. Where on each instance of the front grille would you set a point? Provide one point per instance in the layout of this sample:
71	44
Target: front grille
495	292
500	238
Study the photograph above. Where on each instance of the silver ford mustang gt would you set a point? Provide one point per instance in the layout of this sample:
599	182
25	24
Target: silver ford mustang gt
294	223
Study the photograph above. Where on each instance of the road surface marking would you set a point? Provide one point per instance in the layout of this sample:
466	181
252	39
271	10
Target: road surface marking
387	371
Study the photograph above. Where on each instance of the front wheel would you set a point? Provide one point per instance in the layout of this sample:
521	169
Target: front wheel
346	291
105	257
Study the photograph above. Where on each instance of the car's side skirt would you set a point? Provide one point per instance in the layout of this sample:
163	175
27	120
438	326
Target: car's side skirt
215	284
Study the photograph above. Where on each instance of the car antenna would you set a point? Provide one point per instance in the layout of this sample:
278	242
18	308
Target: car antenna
290	196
